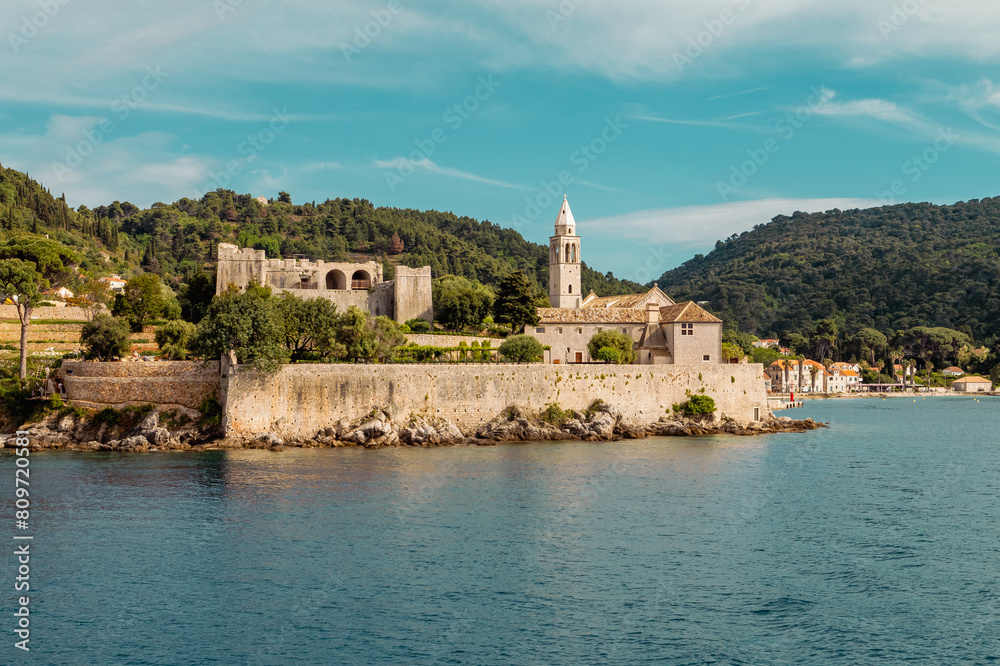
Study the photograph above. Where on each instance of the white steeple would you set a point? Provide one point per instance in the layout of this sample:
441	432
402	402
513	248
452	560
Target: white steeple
565	224
564	261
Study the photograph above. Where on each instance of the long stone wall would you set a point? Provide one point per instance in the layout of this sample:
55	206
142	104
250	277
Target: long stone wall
66	314
165	384
300	400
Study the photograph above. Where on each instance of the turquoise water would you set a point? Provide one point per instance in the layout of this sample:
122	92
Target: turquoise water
877	540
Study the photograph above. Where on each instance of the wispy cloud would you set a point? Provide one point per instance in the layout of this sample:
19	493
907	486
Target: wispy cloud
696	226
431	167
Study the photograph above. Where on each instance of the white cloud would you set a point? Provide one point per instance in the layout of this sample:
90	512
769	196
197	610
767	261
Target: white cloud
405	166
699	226
92	167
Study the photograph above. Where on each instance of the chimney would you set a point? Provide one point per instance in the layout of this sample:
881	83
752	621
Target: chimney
652	313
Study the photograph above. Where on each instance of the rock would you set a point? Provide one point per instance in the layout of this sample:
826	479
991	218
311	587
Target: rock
269	441
149	422
136	443
66	423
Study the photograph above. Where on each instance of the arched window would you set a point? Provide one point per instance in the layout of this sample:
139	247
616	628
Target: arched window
569	257
361	280
571	289
336	280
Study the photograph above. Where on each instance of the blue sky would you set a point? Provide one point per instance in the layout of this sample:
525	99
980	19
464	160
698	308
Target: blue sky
668	124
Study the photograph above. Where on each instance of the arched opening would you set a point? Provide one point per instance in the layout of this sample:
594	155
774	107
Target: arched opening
336	280
568	255
571	289
361	280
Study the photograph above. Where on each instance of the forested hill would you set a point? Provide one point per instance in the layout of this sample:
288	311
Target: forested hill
179	240
889	268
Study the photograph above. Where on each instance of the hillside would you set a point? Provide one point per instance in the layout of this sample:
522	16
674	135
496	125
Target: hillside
890	268
179	240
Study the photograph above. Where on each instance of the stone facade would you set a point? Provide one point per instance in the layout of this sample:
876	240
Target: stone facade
165	384
345	284
663	332
301	400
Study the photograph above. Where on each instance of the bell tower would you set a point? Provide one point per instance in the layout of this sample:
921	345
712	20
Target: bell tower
564	261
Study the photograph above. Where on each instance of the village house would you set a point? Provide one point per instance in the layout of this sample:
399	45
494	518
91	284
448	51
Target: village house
115	283
972	384
769	343
953	371
664	332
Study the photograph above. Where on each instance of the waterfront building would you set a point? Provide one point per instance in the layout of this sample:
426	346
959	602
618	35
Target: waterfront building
406	297
664	332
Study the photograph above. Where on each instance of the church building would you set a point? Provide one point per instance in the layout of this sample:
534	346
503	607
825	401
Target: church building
664	332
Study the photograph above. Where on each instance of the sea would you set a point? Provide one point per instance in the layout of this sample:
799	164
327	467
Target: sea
876	540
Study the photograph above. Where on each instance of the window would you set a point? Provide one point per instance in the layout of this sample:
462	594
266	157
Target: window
625	331
559	330
706	357
756	413
687	329
579	331
571	289
539	330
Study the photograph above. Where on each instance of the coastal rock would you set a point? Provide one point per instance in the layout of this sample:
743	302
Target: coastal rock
269	441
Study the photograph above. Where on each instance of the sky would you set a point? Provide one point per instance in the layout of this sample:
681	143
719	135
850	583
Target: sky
668	124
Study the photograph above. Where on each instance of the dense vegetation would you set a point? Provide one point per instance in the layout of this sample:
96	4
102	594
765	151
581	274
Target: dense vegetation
891	268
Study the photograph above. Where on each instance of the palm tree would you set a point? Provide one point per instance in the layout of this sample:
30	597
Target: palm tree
784	366
813	370
827	363
895	354
801	358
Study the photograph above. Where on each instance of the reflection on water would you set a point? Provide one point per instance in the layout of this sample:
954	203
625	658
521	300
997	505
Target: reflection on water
875	540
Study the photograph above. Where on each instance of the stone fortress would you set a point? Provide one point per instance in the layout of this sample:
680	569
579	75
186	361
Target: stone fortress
345	284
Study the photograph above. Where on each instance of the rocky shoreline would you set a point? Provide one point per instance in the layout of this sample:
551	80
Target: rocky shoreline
380	430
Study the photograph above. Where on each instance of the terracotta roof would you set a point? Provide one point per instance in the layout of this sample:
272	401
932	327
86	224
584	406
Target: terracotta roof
953	369
973	379
687	312
591	316
654	295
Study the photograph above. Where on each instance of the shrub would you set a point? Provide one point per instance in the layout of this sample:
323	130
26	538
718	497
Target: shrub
521	349
554	414
108	415
603	345
105	337
696	405
211	411
608	355
419	326
174	339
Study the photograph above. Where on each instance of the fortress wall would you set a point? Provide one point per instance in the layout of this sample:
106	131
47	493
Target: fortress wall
67	313
413	294
300	400
428	340
165	384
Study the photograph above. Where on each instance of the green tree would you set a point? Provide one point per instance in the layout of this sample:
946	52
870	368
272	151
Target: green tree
310	326
174	339
521	349
20	282
196	296
141	300
388	338
418	325
460	302
105	337
621	342
824	339
869	344
517	303
246	324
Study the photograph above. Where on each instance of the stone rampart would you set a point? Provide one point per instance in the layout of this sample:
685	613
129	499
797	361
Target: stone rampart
66	314
165	384
300	400
428	340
